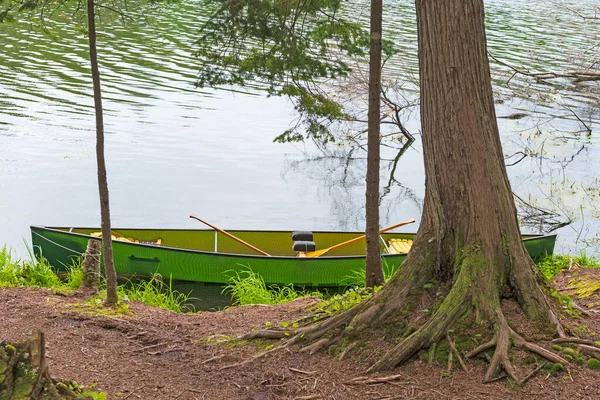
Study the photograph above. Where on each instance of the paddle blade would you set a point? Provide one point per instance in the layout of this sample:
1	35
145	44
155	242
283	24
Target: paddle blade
317	253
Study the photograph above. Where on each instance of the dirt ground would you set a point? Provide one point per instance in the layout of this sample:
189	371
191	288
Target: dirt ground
156	354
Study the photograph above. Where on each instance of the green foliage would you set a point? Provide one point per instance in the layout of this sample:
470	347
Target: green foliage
15	272
551	265
286	47
342	302
593	363
155	293
248	287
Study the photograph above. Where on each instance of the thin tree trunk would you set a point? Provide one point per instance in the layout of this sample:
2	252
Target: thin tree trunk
374	273
109	267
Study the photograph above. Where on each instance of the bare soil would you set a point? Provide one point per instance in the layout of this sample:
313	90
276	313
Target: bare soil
151	353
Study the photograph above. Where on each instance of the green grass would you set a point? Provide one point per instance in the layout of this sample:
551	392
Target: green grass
155	293
551	265
38	273
357	278
248	287
15	272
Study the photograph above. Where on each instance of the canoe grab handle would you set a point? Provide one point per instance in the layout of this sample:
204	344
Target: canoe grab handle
145	259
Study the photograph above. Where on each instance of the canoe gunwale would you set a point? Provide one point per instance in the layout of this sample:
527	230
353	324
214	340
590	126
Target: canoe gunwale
68	231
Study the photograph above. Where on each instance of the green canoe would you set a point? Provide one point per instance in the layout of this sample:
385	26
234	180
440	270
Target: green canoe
206	256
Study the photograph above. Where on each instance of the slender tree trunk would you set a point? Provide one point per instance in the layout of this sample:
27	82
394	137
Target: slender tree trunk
109	266
374	272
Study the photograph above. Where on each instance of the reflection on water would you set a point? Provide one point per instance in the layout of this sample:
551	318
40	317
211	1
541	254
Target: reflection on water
173	150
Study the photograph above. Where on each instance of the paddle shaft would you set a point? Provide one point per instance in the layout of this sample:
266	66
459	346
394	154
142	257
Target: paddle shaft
232	237
356	239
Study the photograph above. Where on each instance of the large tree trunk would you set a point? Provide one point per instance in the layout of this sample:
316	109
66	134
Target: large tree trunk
469	237
374	272
109	266
468	245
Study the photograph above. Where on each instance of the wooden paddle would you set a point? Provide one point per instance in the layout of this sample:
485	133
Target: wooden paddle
231	236
318	253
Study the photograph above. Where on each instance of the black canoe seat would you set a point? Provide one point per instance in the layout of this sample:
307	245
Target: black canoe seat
304	246
302	236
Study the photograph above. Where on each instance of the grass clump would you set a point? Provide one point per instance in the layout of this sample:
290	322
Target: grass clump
551	265
248	287
357	278
155	293
34	273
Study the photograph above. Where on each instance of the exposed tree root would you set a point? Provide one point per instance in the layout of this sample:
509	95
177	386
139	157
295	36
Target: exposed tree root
435	329
319	344
502	341
589	350
575	340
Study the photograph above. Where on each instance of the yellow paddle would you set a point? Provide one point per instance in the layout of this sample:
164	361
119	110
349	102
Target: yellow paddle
318	253
231	236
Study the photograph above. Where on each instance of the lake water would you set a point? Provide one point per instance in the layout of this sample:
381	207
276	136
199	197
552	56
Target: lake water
173	150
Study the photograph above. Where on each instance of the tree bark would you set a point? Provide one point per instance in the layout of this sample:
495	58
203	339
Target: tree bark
91	265
109	266
374	272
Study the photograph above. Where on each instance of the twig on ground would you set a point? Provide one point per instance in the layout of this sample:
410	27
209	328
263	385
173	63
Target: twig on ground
215	358
149	347
532	373
366	380
157	353
133	391
301	372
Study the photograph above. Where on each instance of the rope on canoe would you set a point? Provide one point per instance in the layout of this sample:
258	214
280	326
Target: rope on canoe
78	253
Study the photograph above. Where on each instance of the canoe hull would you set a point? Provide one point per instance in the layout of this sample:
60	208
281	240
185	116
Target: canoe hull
60	247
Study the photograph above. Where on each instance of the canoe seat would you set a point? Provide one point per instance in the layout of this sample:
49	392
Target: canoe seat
399	246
